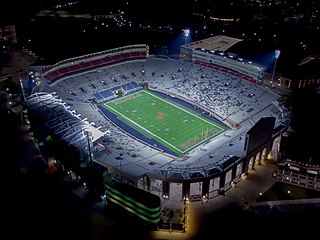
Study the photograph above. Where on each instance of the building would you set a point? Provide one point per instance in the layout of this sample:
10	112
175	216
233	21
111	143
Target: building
238	112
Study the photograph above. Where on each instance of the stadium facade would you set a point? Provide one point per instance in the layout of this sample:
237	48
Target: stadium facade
69	96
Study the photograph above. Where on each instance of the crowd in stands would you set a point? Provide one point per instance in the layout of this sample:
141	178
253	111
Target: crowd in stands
226	95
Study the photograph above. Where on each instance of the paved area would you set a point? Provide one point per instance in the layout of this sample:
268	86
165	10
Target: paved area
237	212
235	199
202	218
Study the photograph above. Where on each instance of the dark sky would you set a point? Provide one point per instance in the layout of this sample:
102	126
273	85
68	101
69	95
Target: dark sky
15	10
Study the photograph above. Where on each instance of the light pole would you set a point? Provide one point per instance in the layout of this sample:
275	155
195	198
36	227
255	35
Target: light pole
186	34
277	54
89	136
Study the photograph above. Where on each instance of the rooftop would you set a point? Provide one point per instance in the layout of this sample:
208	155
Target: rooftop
216	43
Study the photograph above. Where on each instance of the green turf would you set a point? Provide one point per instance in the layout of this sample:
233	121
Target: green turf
169	123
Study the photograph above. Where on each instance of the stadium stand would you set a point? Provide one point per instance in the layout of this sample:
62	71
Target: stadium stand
220	90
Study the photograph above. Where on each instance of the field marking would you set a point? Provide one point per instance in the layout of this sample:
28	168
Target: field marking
204	120
220	129
199	143
151	133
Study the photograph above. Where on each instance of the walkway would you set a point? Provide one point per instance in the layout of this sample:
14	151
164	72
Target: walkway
239	197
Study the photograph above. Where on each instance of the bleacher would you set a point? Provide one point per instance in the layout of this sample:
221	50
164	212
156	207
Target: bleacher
226	95
130	87
245	77
93	62
109	94
225	61
103	96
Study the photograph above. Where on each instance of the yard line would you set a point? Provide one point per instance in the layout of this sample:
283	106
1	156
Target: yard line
199	143
151	133
216	126
183	110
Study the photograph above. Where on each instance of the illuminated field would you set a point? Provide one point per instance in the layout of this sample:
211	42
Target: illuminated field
174	126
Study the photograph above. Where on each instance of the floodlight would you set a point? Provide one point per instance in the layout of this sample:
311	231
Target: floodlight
277	54
186	32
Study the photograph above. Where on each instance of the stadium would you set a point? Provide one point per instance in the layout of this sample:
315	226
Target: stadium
181	129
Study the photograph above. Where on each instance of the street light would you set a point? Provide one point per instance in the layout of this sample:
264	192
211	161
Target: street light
277	54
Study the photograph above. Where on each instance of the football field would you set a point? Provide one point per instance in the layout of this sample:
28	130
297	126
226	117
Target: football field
175	126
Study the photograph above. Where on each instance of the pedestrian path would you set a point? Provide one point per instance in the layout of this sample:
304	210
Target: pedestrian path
238	197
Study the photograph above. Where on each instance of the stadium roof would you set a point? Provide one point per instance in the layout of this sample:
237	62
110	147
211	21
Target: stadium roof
60	120
216	43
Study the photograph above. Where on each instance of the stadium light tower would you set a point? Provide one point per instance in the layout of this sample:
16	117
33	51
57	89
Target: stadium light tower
276	55
186	34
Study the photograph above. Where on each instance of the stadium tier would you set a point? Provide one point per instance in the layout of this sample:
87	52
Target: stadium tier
93	62
176	129
225	61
